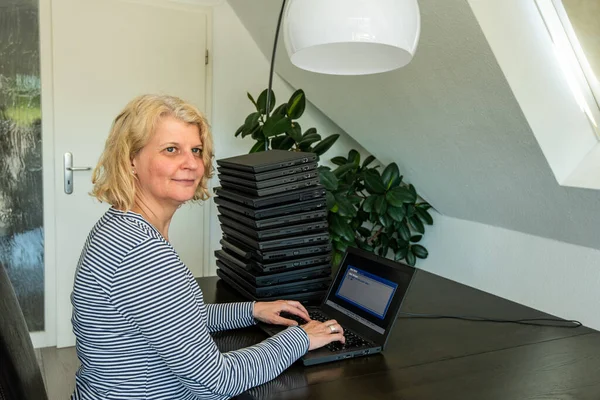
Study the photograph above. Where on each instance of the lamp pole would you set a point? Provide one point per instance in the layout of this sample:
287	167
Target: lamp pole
272	70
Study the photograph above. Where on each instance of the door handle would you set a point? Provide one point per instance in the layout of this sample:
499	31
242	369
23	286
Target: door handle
69	169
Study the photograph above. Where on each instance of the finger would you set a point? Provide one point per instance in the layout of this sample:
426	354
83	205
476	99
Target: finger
330	322
298	313
284	321
296	306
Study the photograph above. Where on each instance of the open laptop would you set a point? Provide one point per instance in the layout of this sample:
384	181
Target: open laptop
365	298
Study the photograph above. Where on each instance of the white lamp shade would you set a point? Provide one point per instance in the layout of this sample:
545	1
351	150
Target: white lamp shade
351	37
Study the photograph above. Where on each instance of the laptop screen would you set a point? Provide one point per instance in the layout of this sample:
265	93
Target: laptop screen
369	289
369	292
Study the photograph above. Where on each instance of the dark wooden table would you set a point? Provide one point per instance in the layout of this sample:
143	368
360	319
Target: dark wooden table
443	358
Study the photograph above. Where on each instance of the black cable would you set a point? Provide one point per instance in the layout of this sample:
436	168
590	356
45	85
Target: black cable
525	321
268	105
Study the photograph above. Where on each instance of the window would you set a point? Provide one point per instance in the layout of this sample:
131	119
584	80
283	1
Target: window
574	29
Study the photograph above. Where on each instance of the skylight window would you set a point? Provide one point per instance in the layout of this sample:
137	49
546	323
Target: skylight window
571	55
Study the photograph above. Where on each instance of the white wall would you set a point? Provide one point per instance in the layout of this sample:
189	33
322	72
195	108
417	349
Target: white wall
239	67
555	277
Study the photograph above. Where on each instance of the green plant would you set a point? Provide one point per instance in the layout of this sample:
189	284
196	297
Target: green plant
367	209
373	211
279	129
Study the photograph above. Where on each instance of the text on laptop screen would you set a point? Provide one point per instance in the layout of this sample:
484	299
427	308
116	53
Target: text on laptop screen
369	292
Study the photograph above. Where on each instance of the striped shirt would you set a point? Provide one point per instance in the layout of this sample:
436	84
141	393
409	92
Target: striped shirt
143	330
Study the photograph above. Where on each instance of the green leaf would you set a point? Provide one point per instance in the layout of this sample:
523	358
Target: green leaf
364	232
343	170
309	139
390	174
398	196
262	102
257	133
424	215
251	122
258	146
410	210
295	132
337	259
339	160
380	205
424	205
325	144
412	189
330	200
310	131
419	251
354	157
282	142
369	203
253	101
404	231
297	104
416	223
280	110
401	253
277	124
368	161
396	213
416	238
346	208
239	130
342	228
411	259
373	182
328	180
385	221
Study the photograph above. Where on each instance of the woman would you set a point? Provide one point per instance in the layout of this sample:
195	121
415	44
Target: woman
141	325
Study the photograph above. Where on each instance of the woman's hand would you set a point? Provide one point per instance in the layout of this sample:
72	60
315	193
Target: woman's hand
269	312
323	333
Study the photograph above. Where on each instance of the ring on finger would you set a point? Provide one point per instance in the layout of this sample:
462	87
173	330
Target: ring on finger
332	327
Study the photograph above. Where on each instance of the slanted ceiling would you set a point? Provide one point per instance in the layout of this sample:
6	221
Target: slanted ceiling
450	121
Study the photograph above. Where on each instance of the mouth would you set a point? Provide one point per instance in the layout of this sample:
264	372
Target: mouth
187	182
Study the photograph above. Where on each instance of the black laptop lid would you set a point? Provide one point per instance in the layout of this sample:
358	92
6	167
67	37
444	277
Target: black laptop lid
267	160
367	293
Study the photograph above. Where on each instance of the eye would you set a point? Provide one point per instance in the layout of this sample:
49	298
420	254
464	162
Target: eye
170	149
197	151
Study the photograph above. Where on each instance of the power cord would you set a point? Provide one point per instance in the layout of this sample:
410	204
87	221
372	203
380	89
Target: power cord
571	324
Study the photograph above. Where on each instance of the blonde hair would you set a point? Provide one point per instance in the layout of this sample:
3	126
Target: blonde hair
133	128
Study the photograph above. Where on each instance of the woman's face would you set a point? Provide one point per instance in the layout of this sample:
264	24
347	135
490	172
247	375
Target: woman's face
169	168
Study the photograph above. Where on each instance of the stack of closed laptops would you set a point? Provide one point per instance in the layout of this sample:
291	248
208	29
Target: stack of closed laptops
273	216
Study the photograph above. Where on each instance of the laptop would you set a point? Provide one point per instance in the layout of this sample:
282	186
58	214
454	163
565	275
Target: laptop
270	212
287	187
276	173
306	298
254	266
274	222
280	243
267	278
282	180
246	252
307	193
267	160
279	289
365	298
272	233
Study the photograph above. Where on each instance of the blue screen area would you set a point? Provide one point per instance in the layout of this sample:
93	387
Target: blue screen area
369	292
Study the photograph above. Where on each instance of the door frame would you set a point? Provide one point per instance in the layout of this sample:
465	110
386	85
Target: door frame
51	167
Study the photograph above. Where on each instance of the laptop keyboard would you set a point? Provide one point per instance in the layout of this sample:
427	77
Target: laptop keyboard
352	340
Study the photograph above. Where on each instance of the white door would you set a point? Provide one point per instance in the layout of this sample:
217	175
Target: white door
105	52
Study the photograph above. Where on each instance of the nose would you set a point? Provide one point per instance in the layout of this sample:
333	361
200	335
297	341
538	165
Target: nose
191	161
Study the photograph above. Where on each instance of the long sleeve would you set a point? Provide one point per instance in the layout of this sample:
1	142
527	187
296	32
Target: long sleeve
153	290
225	316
